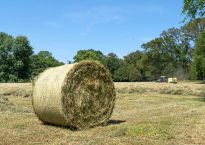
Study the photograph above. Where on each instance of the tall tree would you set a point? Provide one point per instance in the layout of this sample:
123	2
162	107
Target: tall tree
134	67
170	54
7	73
158	58
22	52
113	62
178	45
15	58
121	74
137	66
89	54
42	61
194	8
199	58
194	28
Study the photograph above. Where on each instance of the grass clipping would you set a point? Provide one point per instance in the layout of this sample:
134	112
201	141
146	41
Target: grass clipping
80	95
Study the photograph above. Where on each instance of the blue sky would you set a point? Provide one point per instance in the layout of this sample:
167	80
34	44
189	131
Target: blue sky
65	26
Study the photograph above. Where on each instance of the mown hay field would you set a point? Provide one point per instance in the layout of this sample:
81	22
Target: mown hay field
145	113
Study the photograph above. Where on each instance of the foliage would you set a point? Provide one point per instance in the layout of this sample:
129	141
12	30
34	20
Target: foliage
121	74
89	54
17	64
113	63
199	58
136	66
14	58
133	68
22	52
156	56
194	8
194	28
170	54
42	61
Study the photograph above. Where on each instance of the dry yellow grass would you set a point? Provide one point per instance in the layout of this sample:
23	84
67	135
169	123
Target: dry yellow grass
147	118
16	89
186	88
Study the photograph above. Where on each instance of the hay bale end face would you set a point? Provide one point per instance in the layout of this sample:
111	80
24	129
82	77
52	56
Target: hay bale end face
80	95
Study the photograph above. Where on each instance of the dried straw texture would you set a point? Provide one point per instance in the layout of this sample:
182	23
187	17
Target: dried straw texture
78	95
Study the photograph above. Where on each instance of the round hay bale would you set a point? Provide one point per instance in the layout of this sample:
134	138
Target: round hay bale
80	95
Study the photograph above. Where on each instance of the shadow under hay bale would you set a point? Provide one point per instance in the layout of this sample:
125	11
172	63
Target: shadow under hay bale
73	128
80	95
115	122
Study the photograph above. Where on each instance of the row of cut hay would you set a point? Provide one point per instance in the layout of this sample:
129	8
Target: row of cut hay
16	89
182	88
6	106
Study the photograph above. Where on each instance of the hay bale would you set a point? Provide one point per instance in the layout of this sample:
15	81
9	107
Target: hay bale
172	80
80	95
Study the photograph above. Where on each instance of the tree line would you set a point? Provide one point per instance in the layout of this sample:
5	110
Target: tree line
18	63
177	52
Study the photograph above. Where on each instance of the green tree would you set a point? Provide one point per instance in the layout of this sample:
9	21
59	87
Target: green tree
42	61
22	52
134	67
193	28
113	62
194	8
89	54
121	74
158	57
170	54
14	58
178	47
135	61
7	72
199	58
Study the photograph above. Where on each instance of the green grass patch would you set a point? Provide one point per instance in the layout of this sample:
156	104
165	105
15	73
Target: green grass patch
161	130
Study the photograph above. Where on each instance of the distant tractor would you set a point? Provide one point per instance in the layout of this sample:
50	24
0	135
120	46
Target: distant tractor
172	80
162	79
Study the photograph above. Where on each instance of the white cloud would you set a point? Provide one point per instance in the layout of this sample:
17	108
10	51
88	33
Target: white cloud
90	17
107	14
102	14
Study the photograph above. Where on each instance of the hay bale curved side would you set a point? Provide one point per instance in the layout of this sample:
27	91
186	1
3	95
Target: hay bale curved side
80	95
